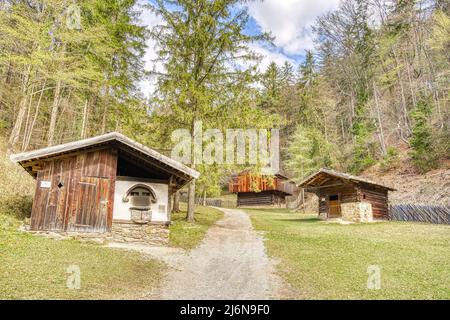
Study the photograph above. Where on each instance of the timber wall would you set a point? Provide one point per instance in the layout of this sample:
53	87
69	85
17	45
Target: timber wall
377	197
260	198
75	193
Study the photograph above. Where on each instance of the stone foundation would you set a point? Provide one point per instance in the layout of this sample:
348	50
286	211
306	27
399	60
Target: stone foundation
322	215
153	234
357	212
124	231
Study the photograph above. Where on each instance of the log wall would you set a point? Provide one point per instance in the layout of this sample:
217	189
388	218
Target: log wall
259	198
378	197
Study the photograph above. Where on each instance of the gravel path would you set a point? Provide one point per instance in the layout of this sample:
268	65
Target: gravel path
230	263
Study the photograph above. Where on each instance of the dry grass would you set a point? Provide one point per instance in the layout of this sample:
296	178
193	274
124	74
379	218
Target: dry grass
16	187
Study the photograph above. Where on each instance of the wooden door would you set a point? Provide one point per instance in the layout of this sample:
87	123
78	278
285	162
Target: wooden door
48	212
91	207
334	206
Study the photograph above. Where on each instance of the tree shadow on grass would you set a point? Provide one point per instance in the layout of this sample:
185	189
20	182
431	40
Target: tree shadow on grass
303	220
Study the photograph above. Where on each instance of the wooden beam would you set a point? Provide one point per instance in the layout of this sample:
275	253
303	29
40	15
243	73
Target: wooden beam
160	166
326	186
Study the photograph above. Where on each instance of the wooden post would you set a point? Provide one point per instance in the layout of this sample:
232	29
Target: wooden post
169	200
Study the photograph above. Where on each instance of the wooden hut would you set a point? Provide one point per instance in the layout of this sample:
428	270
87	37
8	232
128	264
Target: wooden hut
261	190
92	184
348	197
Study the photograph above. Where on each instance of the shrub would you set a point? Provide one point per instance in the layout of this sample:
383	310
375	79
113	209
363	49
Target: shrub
16	187
391	158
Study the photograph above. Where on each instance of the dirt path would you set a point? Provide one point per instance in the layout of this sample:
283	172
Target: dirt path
230	263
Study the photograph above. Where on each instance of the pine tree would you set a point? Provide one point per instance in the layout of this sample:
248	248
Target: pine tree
200	46
423	154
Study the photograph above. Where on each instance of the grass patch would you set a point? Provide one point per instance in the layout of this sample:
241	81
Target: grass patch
329	261
33	267
188	235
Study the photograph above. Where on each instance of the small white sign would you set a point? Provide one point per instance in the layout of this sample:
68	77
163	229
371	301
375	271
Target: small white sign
46	184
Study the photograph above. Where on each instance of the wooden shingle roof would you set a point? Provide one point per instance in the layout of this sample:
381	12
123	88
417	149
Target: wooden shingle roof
318	178
118	139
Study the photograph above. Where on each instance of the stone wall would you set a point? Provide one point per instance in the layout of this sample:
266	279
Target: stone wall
127	231
357	212
153	234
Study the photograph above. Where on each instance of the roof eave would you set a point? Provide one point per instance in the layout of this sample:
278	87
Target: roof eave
106	138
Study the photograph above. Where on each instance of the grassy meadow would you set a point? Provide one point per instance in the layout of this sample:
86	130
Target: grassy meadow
330	261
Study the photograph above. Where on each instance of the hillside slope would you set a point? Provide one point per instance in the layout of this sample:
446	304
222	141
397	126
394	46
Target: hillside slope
432	187
16	186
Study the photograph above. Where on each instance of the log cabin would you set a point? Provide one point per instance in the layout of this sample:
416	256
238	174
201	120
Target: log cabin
261	190
347	197
104	184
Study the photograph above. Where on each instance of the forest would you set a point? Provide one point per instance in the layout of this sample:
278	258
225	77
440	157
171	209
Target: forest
375	85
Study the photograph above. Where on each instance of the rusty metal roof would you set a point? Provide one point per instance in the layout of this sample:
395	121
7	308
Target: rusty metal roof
309	181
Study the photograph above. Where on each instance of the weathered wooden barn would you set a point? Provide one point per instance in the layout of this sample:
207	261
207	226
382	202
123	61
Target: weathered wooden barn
261	190
348	197
91	184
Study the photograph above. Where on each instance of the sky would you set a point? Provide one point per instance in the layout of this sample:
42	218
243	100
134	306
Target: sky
289	21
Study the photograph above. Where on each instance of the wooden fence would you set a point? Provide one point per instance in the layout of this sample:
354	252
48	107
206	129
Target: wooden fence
420	212
212	202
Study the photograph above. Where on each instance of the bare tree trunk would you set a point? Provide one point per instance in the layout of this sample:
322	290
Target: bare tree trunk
104	118
105	111
176	202
191	189
204	197
343	131
411	89
85	119
27	118
380	123
33	122
191	201
54	114
352	115
15	132
402	91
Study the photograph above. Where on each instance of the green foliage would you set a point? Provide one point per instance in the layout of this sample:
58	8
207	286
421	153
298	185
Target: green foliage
363	150
423	155
54	69
203	48
391	159
309	151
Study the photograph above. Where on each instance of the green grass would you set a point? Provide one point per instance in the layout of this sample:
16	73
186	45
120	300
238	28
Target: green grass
33	267
188	235
329	261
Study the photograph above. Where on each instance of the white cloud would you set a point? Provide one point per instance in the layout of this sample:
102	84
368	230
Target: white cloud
290	21
268	56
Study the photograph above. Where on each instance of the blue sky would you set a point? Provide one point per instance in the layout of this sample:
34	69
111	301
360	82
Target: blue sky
289	21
